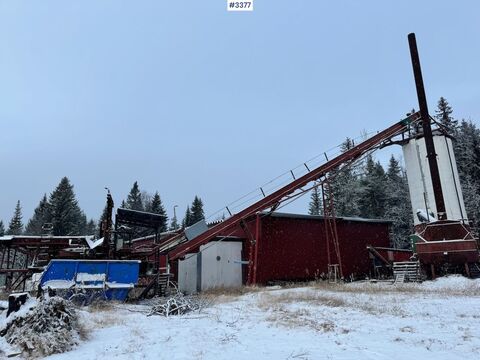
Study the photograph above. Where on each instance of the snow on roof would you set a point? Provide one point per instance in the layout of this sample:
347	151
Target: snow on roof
66	237
344	218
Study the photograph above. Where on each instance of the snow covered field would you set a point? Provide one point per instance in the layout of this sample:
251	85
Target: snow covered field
433	320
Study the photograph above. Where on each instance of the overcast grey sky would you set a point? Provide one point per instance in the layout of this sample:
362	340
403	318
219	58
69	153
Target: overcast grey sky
188	98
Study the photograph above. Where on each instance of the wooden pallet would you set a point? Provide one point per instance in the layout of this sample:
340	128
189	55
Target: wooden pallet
407	271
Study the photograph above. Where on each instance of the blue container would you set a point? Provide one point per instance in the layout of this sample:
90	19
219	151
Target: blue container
85	280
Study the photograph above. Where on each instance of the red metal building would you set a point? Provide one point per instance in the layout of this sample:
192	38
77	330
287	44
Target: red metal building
291	247
294	247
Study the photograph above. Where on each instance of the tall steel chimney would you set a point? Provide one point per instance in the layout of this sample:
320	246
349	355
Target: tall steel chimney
427	130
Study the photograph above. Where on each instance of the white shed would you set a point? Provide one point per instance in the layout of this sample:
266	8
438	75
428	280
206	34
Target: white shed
217	265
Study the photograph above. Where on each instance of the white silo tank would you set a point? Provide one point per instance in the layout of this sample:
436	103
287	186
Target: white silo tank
420	182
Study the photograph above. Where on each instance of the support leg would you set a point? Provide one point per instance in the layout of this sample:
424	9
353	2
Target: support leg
467	270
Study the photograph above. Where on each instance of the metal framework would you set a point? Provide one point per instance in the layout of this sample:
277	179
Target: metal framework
273	200
22	256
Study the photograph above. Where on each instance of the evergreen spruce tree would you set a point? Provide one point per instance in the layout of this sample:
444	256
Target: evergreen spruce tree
41	216
156	207
123	205
15	227
82	224
187	220
463	148
91	228
67	218
134	199
372	192
467	154
443	115
397	204
315	206
2	228
471	195
347	145
467	150
104	216
174	224
345	186
146	201
197	210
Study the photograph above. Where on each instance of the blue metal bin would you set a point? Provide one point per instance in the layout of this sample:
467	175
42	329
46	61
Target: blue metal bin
91	279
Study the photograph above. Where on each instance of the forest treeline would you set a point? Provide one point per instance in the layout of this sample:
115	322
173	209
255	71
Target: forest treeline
60	214
368	190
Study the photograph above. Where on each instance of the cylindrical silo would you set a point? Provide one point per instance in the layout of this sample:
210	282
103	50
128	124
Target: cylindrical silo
420	182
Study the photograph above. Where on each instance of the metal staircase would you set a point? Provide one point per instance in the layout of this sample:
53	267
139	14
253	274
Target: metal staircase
163	284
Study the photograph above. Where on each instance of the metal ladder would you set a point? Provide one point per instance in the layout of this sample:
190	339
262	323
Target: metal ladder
333	273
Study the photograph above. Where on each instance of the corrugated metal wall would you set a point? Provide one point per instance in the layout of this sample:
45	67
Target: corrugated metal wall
295	248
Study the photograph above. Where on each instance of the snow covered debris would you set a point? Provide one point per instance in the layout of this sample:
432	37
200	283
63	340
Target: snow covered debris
41	328
177	304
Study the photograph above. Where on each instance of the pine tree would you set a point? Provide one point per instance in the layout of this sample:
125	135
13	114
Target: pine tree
463	148
347	145
471	195
372	192
467	154
2	228
146	201
187	220
156	207
123	205
174	224
82	224
134	199
394	170
91	228
197	210
15	227
315	206
443	115
397	204
67	218
41	216
345	185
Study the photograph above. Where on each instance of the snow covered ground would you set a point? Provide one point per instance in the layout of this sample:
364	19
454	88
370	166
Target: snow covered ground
433	320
